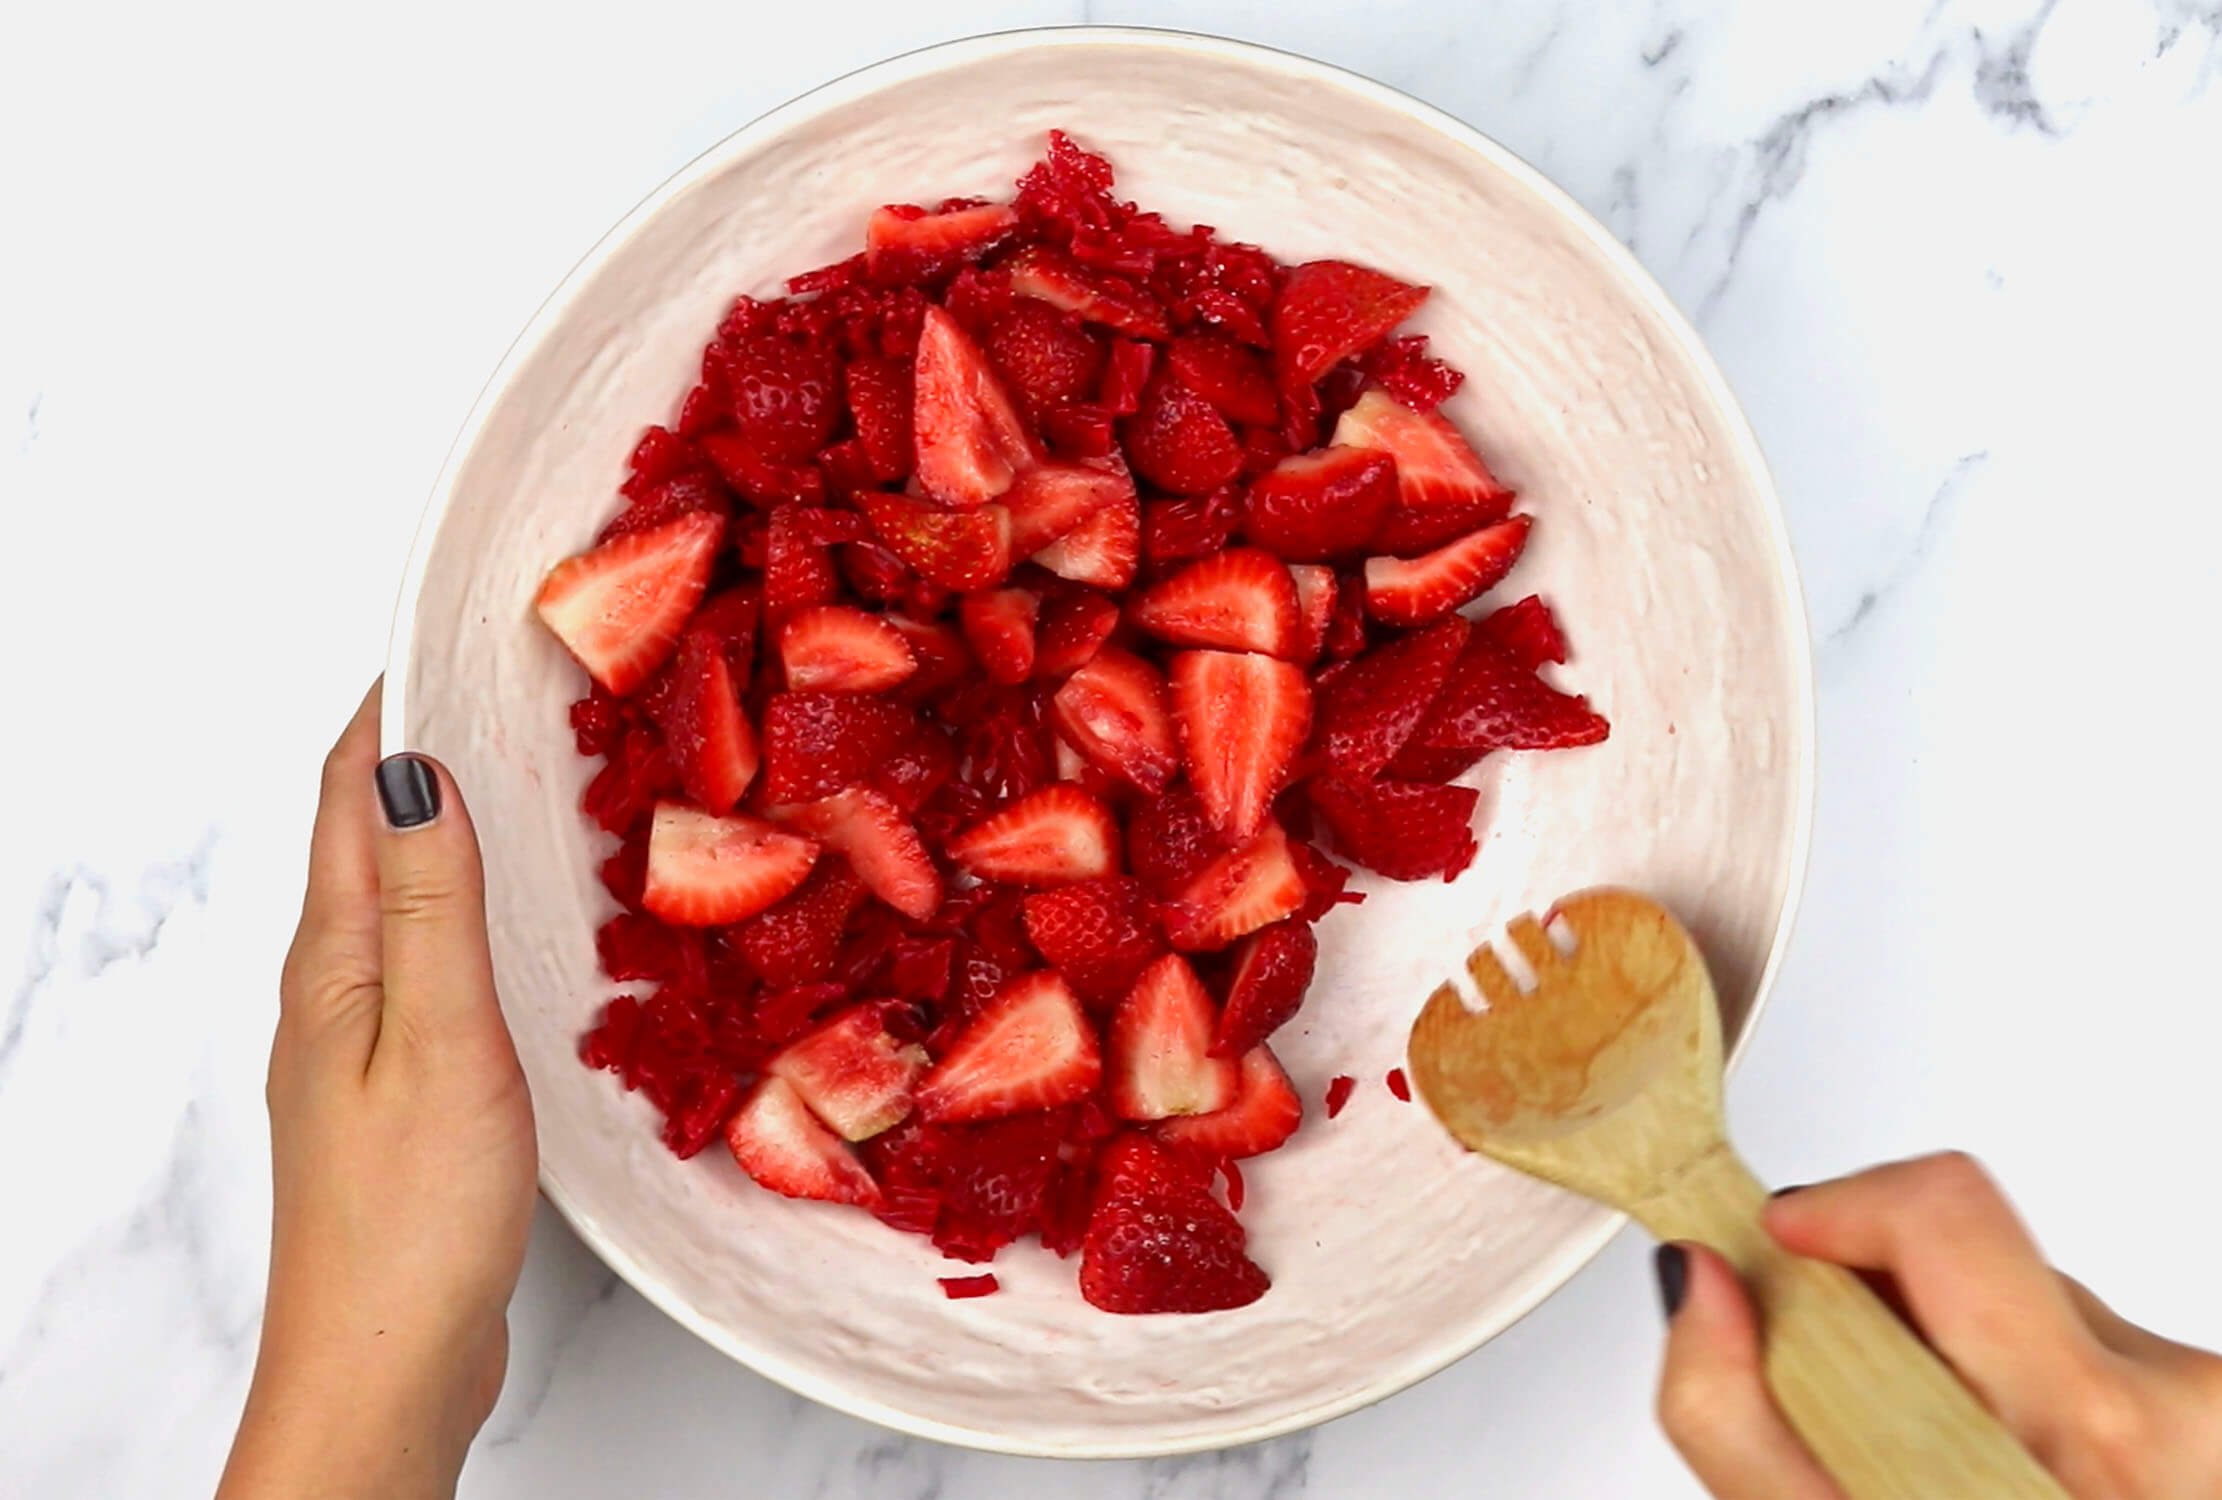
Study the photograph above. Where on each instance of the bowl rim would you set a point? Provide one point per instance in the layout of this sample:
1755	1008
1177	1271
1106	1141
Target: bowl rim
1633	277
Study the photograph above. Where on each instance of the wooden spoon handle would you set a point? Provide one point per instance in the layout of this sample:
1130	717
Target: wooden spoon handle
1883	1413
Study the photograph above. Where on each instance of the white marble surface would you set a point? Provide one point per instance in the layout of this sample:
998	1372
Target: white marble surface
1961	258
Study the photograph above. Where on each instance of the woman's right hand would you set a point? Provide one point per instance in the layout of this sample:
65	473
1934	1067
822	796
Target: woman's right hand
2115	1412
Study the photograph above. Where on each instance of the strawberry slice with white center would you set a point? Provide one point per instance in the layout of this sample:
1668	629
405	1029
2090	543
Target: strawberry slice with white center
999	627
882	845
1239	600
1265	1113
1103	551
779	1142
619	608
1052	500
852	1074
1114	711
1418	590
971	441
958	549
1315	609
1330	308
838	648
1242	718
709	737
1237	893
1029	1048
1160	1042
1053	836
705	871
903	244
1443	487
1094	296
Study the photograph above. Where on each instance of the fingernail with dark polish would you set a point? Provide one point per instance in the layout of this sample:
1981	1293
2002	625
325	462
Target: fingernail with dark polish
408	791
1784	1192
1672	1262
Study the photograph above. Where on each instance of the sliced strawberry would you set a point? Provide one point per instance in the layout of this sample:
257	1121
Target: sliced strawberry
881	843
1526	632
971	442
1170	839
1050	501
705	870
796	942
1491	703
1050	837
620	607
939	650
999	627
1075	624
1079	431
1096	296
967	549
1264	1114
1406	830
1102	551
1178	441
1030	1049
837	648
852	1074
1127	371
1045	355
1237	893
903	244
680	495
1347	631
1242	718
1159	1242
1177	531
1160	1045
1329	309
1316	591
1443	488
763	481
786	394
1099	934
914	771
1272	969
1240	600
1230	377
880	401
1314	507
709	738
1115	711
780	1143
1428	587
817	743
1372	708
731	615
798	565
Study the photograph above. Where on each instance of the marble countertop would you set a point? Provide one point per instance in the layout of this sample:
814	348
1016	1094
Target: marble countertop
1959	258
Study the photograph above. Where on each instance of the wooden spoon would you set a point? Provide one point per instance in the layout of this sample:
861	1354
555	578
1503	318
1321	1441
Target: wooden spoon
1605	1077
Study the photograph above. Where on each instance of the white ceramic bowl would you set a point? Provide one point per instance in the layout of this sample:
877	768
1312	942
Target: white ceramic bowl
1658	539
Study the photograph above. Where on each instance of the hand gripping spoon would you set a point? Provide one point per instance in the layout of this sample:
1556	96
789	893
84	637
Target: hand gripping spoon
1605	1077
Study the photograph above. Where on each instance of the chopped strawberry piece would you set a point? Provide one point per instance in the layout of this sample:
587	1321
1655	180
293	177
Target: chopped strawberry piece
1339	1090
1051	501
1102	551
1030	1049
786	395
962	550
992	1180
1045	355
710	739
1175	531
763	481
999	627
906	245
731	616
880	401
1264	1114
1178	441
780	1143
852	1074
1242	718
1399	1085
1405	371
1100	934
1075	624
1095	296
817	743
1230	377
881	843
1160	1047
705	870
1236	894
1158	1242
1314	507
1400	592
795	942
1347	633
619	608
1240	600
836	648
971	442
798	568
1526	632
1329	309
1369	711
1443	488
1316	592
1079	431
1492	703
1124	376
1054	836
942	656
1272	969
958	1288
1170	839
1115	711
1406	830
680	495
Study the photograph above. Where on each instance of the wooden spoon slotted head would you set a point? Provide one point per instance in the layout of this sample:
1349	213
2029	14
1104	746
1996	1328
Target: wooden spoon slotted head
1604	1076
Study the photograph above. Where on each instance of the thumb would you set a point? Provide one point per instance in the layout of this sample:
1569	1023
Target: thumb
1713	1402
439	979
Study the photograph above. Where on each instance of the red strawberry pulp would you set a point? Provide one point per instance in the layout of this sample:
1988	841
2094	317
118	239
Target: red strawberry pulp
985	666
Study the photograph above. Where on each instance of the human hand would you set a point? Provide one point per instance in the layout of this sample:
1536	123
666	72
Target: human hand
2115	1412
402	1152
